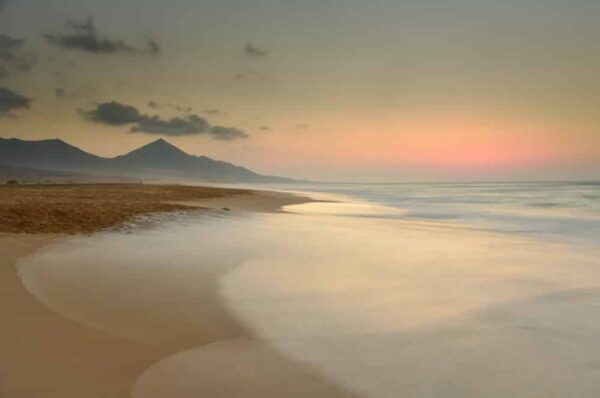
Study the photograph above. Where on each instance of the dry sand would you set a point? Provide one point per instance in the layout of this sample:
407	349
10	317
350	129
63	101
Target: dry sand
77	208
45	355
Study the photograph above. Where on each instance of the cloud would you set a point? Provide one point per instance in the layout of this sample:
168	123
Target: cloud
176	126
83	36
256	52
60	92
10	100
183	109
215	112
116	114
160	105
252	76
13	58
265	128
227	133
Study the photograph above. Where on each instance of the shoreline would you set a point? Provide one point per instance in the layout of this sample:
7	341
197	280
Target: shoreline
55	356
230	304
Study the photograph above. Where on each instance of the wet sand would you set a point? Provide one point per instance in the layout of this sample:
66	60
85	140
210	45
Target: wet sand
47	355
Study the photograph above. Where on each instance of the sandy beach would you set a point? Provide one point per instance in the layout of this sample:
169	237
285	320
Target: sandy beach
283	296
45	354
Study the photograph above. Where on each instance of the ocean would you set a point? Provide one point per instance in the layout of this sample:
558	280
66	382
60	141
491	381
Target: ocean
567	211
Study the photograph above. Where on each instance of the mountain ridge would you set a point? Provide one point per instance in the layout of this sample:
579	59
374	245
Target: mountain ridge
158	158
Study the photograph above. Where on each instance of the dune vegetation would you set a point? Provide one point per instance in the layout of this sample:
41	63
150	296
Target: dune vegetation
92	207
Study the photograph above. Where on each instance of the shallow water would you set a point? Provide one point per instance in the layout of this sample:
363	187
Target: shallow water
381	305
555	211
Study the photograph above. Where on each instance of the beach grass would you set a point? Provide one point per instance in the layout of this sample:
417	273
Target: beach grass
85	208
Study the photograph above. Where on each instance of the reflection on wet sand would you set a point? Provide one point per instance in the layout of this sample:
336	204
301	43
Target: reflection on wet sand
161	287
301	304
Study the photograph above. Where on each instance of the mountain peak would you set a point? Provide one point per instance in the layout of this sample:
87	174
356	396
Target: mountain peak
161	142
160	145
158	152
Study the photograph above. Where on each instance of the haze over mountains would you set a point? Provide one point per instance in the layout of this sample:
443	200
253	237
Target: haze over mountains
159	160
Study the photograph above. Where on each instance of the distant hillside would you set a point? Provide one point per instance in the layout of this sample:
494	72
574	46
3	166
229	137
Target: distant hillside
35	176
8	172
158	159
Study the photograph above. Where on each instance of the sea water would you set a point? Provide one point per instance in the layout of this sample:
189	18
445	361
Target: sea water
551	210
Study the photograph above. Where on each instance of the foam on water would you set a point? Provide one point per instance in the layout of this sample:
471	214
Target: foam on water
549	210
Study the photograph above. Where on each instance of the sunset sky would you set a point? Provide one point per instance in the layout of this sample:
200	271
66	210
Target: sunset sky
339	90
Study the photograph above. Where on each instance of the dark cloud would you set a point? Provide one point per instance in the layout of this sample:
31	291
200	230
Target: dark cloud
13	57
227	133
186	125
117	114
60	92
10	100
83	36
265	128
153	105
253	51
114	114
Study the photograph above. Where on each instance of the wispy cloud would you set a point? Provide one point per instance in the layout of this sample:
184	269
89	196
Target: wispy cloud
116	114
13	57
252	76
84	37
10	101
215	112
161	105
253	51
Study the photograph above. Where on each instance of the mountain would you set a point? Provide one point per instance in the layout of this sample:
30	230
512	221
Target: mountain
8	172
159	159
47	155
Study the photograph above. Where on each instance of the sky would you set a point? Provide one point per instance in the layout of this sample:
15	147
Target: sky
333	90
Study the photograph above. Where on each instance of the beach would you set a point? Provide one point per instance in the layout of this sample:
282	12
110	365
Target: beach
283	295
45	354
